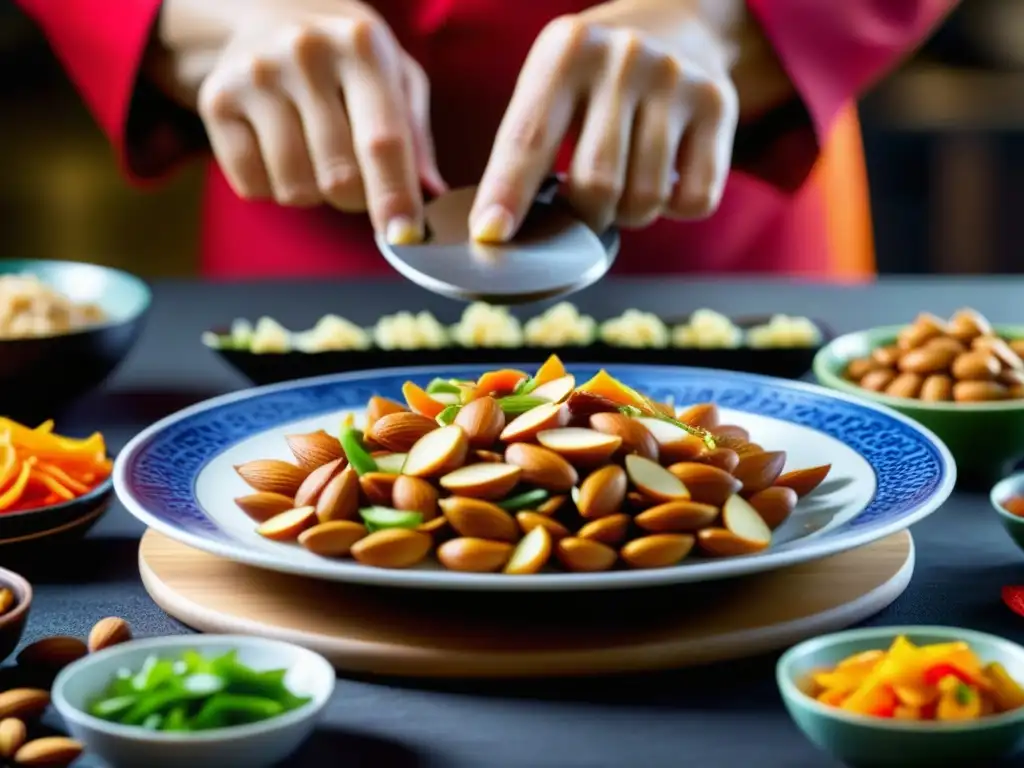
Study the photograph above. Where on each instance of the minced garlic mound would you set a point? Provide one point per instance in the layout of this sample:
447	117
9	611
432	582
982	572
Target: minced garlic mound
332	334
560	326
405	330
634	328
785	331
29	307
707	329
483	325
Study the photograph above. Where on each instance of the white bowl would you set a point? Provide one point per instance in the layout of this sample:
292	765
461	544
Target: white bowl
254	745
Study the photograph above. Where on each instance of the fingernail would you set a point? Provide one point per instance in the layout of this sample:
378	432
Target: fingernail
494	225
403	231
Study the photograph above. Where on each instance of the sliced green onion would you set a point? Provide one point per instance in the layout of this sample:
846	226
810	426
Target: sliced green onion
513	405
447	416
525	500
380	518
438	386
526	386
352	445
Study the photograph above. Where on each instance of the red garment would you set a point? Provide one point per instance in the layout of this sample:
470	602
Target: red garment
472	51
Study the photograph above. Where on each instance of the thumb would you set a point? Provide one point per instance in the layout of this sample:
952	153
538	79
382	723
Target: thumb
417	92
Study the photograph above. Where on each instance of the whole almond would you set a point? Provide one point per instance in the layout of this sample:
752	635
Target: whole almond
13	734
728	435
52	653
946	342
677	517
585	555
925	328
877	381
1002	351
725	459
333	539
602	492
261	506
967	324
339	500
314	449
707	483
803	481
759	470
857	369
977	365
378	407
50	751
927	360
6	600
23	703
887	357
109	632
272	476
610	530
392	548
703	415
414	494
482	420
905	385
542	467
479	519
529	520
636	438
937	388
474	555
660	550
774	504
315	483
399	432
378	487
979	391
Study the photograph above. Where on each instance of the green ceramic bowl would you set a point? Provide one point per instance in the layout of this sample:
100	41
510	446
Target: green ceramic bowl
869	742
1003	490
986	439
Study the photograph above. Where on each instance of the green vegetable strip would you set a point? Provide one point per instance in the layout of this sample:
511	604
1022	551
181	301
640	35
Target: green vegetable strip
524	500
438	386
513	405
386	517
526	386
447	416
358	457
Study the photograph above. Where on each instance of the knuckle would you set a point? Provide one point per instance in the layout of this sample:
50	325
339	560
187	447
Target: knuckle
297	196
341	181
715	102
641	200
261	72
597	185
666	73
529	134
385	146
566	35
214	102
367	37
304	39
694	203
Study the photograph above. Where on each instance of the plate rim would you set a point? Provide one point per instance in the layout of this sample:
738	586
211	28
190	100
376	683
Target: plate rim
611	580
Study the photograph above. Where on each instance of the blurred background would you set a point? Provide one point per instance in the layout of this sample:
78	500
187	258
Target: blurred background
944	139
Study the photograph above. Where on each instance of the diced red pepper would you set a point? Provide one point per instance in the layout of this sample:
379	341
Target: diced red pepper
933	675
884	710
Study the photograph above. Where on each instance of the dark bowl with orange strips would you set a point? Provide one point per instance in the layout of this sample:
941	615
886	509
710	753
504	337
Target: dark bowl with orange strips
53	524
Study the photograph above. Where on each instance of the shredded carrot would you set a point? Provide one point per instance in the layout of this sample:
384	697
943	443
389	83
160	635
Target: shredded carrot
13	494
54	485
63	478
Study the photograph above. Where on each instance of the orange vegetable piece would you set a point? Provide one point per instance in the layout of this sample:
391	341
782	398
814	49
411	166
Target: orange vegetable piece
53	485
421	402
46	427
500	382
551	369
607	386
8	465
13	494
62	477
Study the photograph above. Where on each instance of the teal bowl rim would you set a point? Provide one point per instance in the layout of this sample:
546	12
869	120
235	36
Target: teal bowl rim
999	492
822	371
789	690
137	282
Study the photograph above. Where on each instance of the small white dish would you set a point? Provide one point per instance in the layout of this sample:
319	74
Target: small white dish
254	745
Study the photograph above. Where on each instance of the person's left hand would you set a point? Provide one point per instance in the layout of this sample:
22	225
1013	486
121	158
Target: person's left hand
649	83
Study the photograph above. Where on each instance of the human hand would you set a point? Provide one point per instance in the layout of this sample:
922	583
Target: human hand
659	113
315	102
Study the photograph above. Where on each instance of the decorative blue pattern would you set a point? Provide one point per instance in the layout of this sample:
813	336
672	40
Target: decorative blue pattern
161	471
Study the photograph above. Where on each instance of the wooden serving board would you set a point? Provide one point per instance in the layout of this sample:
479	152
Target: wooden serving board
485	635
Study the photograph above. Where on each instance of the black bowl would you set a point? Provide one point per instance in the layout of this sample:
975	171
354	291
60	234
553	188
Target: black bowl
12	623
786	363
40	375
56	524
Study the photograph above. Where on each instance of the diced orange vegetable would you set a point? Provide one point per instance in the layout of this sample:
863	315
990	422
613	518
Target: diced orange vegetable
605	385
500	382
421	402
551	369
1008	694
867	658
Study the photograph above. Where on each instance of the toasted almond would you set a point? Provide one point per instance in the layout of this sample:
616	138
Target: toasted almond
482	481
609	530
743	522
677	517
378	407
52	653
725	434
803	481
659	550
585	555
879	380
398	432
377	488
581	446
703	415
339	499
13	734
602	493
937	388
927	360
23	703
489	456
724	458
887	356
525	426
905	385
315	483
774	504
966	324
654	481
531	554
757	471
635	437
437	453
333	539
392	548
718	542
261	506
529	520
706	483
551	505
556	390
413	494
6	600
472	555
976	365
272	476
542	467
482	420
479	519
1003	352
108	632
674	443
288	525
50	751
979	391
314	449
924	328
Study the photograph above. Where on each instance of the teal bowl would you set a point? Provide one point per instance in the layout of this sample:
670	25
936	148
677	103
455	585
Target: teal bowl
986	439
1003	490
40	375
862	741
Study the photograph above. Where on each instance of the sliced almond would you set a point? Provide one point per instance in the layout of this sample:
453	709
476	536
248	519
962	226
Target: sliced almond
635	437
542	467
413	494
378	407
392	548
378	488
525	426
339	499
705	482
479	519
333	539
288	525
602	493
674	443
437	453
774	504
398	432
702	415
482	420
551	505
314	449
482	481
315	483
474	555
609	530
677	517
272	476
724	458
556	390
531	554
261	506
660	550
585	555
743	522
581	446
759	470
803	481
391	463
529	520
654	481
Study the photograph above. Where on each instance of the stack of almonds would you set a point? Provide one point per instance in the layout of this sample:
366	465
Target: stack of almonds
961	360
522	472
21	707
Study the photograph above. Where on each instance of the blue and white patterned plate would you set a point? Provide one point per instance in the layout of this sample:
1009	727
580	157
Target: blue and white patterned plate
888	472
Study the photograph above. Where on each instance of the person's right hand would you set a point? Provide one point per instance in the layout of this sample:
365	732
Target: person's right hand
317	103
